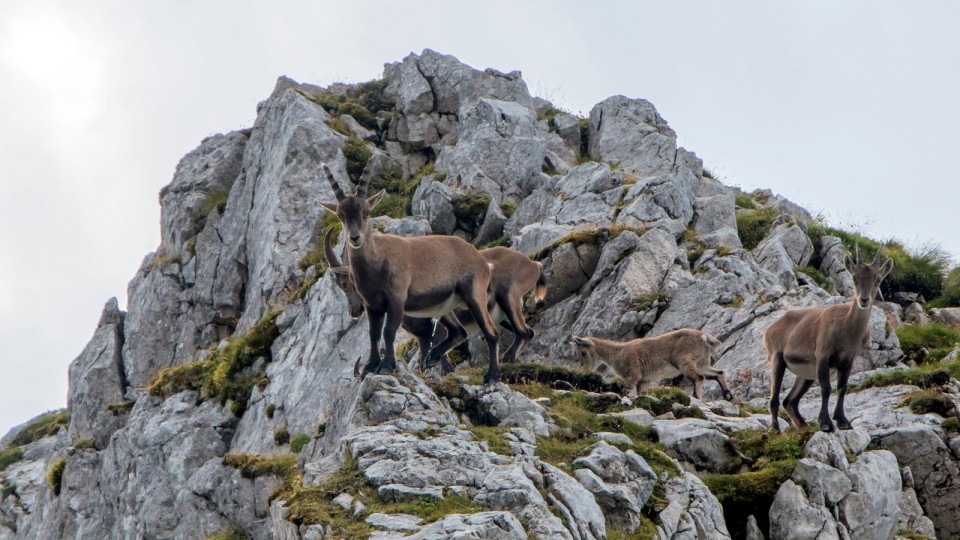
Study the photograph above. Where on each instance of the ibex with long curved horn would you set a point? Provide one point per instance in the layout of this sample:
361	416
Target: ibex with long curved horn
812	342
512	276
425	276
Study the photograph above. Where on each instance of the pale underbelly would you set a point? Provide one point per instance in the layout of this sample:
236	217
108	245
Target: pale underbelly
805	370
436	310
496	314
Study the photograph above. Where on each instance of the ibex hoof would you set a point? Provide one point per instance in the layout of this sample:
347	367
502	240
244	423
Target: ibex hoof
384	368
491	377
844	424
826	426
728	396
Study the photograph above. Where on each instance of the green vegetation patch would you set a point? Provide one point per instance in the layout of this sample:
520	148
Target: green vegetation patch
931	341
256	465
362	102
950	297
493	436
308	505
748	493
216	200
357	152
923	376
471	209
45	425
591	236
661	400
928	401
55	475
742	200
524	373
951	424
754	226
281	436
121	407
817	276
919	270
772	458
85	444
9	456
298	441
659	298
224	373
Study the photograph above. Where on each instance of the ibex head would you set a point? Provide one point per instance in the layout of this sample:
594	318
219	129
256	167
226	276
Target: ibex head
867	277
341	274
353	210
586	352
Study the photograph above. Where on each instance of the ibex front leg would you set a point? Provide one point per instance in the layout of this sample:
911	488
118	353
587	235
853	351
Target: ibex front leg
375	319
841	419
823	376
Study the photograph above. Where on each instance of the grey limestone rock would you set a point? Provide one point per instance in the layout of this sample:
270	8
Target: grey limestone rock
631	132
97	380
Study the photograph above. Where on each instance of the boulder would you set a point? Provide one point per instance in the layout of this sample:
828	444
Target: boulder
631	133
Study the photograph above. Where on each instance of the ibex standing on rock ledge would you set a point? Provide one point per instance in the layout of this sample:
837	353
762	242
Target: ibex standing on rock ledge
512	276
424	276
813	341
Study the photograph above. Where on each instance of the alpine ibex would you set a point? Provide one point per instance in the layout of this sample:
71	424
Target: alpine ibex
512	276
812	342
425	276
686	352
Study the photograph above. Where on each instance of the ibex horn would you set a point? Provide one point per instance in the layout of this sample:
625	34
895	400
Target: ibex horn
876	258
856	249
363	183
332	259
337	192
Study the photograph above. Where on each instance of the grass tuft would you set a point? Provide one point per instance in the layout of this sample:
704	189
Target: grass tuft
255	465
924	342
9	456
928	401
54	475
754	226
470	210
45	425
216	200
298	441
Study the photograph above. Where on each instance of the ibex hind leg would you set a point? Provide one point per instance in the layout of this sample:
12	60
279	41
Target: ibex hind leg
522	334
777	368
838	415
476	302
718	375
394	317
791	403
456	333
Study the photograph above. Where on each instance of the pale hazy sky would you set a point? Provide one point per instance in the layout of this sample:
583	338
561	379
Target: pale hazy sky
849	108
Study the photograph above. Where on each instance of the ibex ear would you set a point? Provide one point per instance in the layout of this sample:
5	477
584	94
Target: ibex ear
372	201
329	206
886	268
340	269
848	262
577	340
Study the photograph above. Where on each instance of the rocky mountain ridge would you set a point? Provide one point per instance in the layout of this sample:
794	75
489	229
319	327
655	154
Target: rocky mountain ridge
223	400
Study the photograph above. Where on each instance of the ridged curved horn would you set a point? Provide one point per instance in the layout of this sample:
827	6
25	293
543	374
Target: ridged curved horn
856	249
337	192
332	259
364	183
876	258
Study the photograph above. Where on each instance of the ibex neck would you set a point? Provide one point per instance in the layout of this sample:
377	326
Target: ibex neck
858	317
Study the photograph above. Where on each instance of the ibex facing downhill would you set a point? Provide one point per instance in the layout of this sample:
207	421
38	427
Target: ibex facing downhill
512	276
812	342
424	276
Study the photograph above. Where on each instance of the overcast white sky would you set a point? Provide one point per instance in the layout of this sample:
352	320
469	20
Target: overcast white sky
849	108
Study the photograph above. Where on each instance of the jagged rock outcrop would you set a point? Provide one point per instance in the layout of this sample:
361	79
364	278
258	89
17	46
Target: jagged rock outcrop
634	240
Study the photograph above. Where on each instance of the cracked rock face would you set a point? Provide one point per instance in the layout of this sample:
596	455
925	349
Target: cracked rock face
635	241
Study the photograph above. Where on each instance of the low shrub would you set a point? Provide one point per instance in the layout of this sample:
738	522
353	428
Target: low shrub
255	465
915	338
357	153
753	226
928	401
9	456
298	441
54	475
45	425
